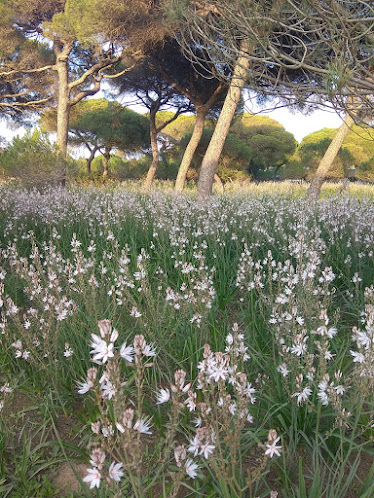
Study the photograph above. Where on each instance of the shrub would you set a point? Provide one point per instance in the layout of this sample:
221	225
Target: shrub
33	161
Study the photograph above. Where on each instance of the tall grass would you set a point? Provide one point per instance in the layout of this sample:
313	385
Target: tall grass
295	277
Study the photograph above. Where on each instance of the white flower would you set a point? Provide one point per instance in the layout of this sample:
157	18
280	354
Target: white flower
107	431
6	389
135	313
273	449
362	339
191	401
357	357
93	478
68	351
331	332
109	390
302	395
219	372
84	387
250	418
249	391
143	425
197	421
323	398
232	408
148	350
340	390
194	446
329	355
163	396
127	353
229	339
120	427
115	471
101	350
282	368
298	349
191	468
206	450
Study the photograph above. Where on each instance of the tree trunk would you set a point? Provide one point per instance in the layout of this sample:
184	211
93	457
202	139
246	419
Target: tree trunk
190	149
63	111
106	163
63	106
327	160
155	153
213	152
90	159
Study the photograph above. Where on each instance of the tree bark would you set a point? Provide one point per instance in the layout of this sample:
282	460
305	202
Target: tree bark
213	152
106	163
63	104
190	149
327	160
155	153
90	159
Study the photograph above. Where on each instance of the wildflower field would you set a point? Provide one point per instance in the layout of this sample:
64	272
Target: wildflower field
154	347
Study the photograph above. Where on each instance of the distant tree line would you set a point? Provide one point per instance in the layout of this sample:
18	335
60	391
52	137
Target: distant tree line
189	57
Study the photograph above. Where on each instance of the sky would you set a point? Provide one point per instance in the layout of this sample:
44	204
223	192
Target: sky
295	122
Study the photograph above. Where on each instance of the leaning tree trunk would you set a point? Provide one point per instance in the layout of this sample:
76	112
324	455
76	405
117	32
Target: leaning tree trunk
190	149
155	154
327	160
213	152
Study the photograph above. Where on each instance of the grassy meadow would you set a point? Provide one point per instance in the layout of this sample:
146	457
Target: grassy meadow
154	347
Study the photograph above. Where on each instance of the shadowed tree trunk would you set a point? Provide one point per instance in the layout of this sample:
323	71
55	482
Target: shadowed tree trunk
213	152
106	162
90	159
327	160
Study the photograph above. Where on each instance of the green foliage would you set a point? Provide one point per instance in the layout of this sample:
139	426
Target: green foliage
179	128
112	126
270	143
103	123
76	21
121	169
294	170
32	159
356	152
255	143
235	156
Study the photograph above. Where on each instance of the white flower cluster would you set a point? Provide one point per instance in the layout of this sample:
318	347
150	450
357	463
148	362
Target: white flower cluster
98	470
363	356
